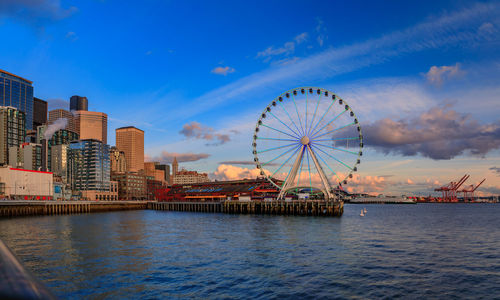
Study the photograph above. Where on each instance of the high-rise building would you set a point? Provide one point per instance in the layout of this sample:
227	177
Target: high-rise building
17	92
118	161
12	131
39	112
59	160
78	103
166	171
56	114
88	166
26	156
151	171
91	125
175	169
131	141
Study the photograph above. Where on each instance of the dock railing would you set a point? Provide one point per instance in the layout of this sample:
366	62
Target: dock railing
15	281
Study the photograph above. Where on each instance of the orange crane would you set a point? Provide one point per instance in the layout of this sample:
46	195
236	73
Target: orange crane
449	191
469	192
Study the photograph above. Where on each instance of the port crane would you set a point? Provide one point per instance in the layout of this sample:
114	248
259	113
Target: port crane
469	191
449	191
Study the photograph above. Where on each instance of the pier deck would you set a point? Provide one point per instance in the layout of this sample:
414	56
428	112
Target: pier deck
296	208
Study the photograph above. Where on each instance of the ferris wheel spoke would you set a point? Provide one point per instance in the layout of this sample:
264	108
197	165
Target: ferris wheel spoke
335	148
323	116
327	165
273	139
295	137
296	110
284	124
337	139
276	148
293	122
309	169
281	166
281	155
336	129
315	133
305	124
314	115
335	159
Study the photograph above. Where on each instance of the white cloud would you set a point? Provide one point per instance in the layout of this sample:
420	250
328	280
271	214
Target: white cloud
438	75
223	70
71	35
487	28
301	38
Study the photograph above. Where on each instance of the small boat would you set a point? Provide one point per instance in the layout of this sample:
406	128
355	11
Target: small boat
364	210
362	214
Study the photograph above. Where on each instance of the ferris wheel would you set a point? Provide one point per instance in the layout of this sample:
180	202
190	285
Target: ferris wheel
307	140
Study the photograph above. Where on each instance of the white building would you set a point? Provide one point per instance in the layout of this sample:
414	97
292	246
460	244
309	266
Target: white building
187	177
25	184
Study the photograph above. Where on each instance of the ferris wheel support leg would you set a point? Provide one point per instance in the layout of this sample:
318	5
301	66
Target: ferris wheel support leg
293	173
322	175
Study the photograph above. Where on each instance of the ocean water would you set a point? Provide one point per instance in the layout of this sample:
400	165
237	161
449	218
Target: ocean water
436	251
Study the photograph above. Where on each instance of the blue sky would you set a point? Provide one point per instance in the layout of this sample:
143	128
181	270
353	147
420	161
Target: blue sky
420	69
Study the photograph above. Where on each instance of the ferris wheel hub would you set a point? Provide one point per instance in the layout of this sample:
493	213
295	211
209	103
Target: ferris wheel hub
305	140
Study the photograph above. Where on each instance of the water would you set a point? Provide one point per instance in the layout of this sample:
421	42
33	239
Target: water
410	251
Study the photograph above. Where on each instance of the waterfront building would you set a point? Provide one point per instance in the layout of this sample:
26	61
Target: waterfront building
256	189
130	140
131	185
26	156
110	195
56	114
89	166
39	112
118	161
188	177
12	130
59	161
153	187
166	170
151	171
25	184
91	125
78	103
17	92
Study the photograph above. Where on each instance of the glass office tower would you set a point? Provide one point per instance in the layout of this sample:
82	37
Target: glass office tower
17	92
89	165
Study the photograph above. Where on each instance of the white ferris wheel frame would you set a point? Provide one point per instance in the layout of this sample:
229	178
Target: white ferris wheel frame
305	141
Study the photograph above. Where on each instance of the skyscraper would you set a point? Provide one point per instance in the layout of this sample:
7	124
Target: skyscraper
39	112
175	167
91	125
131	141
17	92
78	103
56	114
88	165
118	161
12	131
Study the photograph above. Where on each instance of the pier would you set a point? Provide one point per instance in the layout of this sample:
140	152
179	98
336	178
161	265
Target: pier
39	208
276	207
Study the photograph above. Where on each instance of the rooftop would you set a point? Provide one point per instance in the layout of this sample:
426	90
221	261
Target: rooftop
14	75
129	127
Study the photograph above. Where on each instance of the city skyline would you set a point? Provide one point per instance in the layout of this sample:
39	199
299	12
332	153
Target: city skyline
431	81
